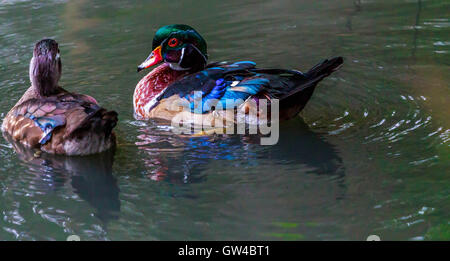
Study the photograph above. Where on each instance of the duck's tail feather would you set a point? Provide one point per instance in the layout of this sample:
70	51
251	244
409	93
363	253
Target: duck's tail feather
101	122
325	68
109	121
294	101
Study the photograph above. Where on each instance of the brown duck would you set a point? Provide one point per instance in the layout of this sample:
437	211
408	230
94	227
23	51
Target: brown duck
56	121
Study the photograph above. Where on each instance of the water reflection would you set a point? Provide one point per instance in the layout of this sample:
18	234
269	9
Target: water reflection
181	159
356	9
90	177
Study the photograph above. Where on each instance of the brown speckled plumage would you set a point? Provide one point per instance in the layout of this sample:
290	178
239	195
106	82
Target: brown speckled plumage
83	127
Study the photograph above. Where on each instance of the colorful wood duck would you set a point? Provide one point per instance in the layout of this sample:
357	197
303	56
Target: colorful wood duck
184	76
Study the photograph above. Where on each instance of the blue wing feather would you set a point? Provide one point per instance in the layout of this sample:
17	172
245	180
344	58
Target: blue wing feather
213	86
47	125
224	91
243	90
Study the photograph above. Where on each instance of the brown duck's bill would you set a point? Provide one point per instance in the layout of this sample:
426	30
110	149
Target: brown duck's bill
154	58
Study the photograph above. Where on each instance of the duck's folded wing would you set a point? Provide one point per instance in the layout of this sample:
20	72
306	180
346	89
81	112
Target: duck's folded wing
47	115
220	84
228	94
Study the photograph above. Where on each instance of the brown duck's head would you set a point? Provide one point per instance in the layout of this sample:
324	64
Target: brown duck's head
45	67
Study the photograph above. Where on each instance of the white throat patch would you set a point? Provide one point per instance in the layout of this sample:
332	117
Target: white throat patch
177	67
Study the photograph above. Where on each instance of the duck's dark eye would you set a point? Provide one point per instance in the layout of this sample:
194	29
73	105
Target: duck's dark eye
173	42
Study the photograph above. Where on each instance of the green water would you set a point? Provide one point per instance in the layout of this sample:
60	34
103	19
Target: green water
368	155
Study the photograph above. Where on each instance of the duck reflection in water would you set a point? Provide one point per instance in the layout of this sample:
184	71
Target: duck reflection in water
185	159
90	176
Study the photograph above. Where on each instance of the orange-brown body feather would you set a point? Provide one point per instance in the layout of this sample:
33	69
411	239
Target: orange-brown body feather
87	128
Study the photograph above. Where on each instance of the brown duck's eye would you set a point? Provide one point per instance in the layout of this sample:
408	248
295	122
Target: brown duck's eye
173	42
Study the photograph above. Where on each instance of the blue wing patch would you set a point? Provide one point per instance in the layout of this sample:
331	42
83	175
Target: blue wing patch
217	84
227	93
245	63
47	125
202	102
242	90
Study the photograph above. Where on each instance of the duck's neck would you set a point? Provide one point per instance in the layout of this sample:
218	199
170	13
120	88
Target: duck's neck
44	78
44	89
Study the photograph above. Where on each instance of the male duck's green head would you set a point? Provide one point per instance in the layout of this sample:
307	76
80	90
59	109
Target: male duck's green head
180	46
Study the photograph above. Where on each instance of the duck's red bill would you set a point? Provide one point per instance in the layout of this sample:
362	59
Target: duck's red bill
154	58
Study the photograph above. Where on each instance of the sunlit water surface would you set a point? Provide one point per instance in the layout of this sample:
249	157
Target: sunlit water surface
368	155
